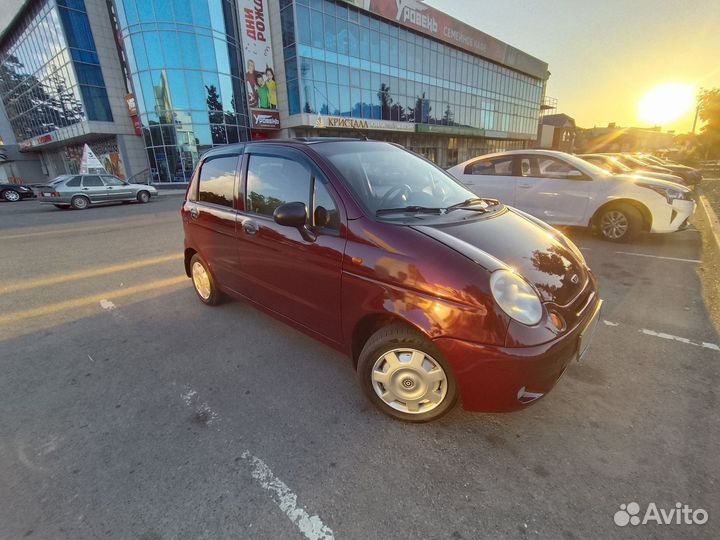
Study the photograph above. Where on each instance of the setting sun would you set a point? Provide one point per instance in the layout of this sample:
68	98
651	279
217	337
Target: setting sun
666	103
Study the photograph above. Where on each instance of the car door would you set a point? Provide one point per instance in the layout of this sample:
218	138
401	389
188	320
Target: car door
552	189
491	177
210	215
295	275
117	189
94	188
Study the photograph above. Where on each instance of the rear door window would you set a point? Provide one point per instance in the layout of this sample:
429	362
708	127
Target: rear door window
217	180
74	181
112	181
92	181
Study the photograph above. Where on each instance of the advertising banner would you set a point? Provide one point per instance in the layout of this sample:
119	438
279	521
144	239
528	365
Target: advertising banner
260	83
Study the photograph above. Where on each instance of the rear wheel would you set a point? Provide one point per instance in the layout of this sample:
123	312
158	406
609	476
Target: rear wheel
619	223
405	375
143	197
80	202
203	282
11	195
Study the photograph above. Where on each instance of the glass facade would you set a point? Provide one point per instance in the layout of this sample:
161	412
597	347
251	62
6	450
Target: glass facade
344	61
185	63
50	74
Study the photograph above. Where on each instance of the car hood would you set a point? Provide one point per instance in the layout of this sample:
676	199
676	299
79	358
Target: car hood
651	180
509	239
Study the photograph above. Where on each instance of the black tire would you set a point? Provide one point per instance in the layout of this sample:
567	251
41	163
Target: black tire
80	202
619	223
214	297
398	336
143	197
10	195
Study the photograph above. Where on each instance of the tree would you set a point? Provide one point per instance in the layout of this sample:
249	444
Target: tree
215	115
709	113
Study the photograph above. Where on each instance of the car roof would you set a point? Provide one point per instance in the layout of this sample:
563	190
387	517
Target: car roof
530	151
298	141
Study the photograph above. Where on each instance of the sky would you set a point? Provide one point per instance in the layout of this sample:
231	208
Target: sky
605	55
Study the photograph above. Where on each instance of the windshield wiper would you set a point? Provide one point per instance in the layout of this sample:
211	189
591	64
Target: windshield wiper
468	204
410	209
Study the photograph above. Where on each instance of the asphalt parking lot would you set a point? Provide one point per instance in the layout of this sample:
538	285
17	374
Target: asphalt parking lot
131	410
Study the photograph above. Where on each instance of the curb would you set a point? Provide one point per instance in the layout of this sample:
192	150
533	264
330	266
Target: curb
712	219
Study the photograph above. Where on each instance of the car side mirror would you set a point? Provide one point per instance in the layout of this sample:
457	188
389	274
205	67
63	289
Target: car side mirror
294	214
322	217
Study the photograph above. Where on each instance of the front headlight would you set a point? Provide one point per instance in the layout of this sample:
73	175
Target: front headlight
516	297
670	194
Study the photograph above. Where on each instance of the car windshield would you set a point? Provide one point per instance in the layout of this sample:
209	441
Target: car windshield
585	166
384	177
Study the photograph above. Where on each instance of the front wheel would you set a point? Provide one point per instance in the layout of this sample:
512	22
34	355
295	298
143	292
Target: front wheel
620	223
80	202
405	375
11	195
143	197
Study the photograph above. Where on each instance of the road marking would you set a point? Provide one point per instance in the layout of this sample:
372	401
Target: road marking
610	323
311	526
202	410
89	300
695	261
686	341
62	278
121	226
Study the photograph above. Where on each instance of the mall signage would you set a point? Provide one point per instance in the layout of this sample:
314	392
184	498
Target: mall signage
260	84
262	119
360	124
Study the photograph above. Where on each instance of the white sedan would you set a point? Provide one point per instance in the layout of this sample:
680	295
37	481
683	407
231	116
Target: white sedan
563	189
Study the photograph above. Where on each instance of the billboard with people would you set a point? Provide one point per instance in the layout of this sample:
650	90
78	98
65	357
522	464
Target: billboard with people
260	84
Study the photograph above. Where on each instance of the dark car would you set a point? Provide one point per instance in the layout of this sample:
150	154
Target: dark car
640	166
15	192
433	292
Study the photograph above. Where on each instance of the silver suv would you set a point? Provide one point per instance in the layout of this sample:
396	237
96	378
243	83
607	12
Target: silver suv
79	191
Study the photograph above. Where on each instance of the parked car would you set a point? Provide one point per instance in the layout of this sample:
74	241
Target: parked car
15	192
434	293
615	166
688	174
563	189
79	191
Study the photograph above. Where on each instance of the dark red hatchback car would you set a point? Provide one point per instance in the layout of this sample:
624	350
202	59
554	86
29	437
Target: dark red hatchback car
434	293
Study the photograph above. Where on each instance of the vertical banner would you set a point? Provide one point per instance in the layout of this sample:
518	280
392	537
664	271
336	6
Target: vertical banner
260	83
90	164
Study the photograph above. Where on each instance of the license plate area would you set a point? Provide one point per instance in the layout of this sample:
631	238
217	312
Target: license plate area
586	335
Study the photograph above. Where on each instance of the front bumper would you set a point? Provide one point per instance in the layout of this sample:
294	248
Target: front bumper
673	218
505	379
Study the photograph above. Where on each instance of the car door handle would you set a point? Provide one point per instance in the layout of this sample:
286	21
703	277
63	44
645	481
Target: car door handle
250	227
525	186
86	189
194	212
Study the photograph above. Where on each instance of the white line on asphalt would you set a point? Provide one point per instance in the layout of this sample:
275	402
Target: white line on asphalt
610	323
190	397
311	526
695	261
670	337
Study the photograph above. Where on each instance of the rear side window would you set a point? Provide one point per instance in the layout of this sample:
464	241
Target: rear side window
217	180
273	181
491	167
74	181
92	181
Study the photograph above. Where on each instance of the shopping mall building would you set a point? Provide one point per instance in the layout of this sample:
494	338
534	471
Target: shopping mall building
150	85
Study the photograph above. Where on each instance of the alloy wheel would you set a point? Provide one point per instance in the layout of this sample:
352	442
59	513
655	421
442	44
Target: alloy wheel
614	224
409	381
11	196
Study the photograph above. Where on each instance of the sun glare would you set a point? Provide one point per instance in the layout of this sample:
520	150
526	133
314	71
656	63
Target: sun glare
666	103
